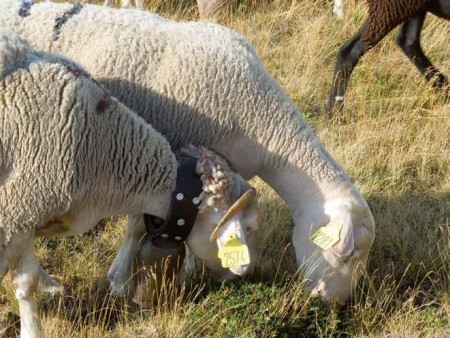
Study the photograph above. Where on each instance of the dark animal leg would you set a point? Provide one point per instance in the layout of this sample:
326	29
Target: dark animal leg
347	59
409	42
440	8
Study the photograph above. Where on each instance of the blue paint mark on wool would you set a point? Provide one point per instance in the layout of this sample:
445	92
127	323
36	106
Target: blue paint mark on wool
60	21
24	10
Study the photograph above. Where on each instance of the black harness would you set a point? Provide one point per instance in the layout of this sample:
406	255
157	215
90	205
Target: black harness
183	208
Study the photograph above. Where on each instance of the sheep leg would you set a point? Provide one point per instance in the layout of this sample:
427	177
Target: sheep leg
347	59
128	4
48	284
120	271
140	4
440	8
109	3
338	9
157	269
19	254
209	9
190	266
409	41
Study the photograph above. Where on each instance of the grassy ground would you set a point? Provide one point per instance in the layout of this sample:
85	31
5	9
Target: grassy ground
396	148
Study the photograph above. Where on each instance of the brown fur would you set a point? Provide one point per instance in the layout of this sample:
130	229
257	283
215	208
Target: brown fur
385	15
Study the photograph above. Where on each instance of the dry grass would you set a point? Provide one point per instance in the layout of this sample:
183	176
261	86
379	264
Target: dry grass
396	148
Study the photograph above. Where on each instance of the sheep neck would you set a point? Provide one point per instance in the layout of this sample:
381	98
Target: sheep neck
289	157
134	169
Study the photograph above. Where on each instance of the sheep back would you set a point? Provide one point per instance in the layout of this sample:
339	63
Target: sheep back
195	82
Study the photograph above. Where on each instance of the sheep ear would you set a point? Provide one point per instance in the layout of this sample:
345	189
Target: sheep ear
346	243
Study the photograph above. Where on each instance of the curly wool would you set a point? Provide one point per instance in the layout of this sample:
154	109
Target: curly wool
216	175
13	52
195	82
65	143
385	15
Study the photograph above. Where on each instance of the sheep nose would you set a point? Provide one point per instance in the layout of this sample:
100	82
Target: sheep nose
243	270
346	258
239	270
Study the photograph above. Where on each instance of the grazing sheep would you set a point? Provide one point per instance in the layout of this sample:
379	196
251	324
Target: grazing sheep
72	155
201	83
383	17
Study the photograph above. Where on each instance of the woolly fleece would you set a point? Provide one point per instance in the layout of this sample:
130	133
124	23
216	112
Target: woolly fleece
195	82
64	140
13	52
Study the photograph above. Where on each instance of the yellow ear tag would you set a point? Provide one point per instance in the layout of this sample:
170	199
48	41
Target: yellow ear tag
327	237
234	253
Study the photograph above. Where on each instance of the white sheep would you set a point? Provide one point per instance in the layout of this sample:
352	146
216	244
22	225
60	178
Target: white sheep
72	155
201	83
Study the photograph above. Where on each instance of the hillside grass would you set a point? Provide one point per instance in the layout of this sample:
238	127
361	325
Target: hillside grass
395	146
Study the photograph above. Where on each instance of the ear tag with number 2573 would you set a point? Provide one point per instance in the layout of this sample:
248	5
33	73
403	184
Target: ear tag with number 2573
327	237
234	253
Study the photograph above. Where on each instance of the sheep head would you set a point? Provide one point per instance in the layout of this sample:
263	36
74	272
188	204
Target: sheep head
333	270
228	211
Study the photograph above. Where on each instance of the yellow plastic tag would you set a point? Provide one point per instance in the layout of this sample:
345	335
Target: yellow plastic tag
327	237
234	253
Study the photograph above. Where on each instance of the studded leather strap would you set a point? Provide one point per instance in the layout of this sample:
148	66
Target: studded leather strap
183	207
